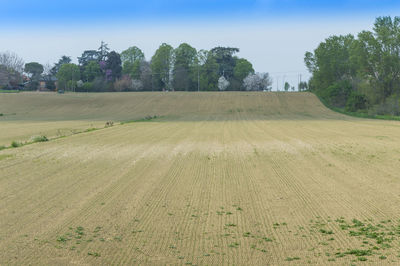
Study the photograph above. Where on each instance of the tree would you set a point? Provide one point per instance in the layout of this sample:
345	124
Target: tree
330	62
209	74
222	83
67	76
378	54
287	86
185	68
113	66
91	71
103	51
303	86
257	82
9	78
242	69
131	59
145	76
12	61
123	84
87	57
34	69
161	66
225	60
63	60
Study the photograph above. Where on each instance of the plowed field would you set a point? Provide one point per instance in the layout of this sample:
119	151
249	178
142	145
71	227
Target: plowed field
215	179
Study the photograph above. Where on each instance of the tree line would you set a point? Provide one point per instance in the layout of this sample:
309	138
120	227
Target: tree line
362	73
174	69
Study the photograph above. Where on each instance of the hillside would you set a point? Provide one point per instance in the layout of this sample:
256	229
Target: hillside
190	106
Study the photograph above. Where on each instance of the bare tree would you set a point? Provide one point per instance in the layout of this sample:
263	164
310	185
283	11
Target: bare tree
12	61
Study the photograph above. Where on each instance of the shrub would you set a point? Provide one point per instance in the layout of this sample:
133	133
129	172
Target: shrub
2	147
356	102
40	139
16	144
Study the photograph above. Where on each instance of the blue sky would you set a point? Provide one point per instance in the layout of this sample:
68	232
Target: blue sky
65	12
272	34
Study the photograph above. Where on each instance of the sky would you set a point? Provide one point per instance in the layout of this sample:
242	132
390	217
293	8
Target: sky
272	34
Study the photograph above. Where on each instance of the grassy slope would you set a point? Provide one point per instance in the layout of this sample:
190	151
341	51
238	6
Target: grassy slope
200	189
51	114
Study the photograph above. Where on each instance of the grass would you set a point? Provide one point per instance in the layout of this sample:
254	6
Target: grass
9	91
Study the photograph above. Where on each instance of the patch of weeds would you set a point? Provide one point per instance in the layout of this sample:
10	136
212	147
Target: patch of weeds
359	252
383	257
2	147
94	254
234	245
247	234
266	239
118	238
292	258
90	129
62	239
239	209
326	232
362	259
229	213
230	225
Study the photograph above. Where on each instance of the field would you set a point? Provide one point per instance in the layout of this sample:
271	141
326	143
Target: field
213	179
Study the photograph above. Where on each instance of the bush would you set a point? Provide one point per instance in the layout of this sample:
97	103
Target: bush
39	139
2	147
337	94
86	87
356	102
16	144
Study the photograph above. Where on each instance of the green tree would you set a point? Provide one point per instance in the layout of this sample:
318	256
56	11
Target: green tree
131	59
287	86
34	69
161	66
113	66
377	54
87	57
209	74
242	69
225	60
330	62
91	71
185	68
67	76
63	60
